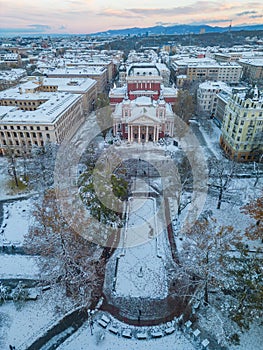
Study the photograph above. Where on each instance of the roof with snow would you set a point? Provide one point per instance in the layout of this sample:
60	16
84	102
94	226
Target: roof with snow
47	112
141	69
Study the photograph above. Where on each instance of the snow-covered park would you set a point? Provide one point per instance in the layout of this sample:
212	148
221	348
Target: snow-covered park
141	271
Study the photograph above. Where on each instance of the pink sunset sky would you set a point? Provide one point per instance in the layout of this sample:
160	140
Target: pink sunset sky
89	16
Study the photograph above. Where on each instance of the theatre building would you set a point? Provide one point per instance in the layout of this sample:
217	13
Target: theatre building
143	119
143	107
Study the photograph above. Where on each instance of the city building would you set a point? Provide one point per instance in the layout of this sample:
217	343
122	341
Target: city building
228	56
10	59
143	79
30	119
201	69
11	77
86	87
242	128
143	119
98	73
207	97
252	69
223	98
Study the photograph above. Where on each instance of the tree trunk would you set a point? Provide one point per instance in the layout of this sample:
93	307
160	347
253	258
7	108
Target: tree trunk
14	170
220	198
206	293
206	283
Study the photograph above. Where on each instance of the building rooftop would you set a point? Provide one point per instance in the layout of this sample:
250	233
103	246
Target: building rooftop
89	70
253	61
214	85
46	113
70	84
141	69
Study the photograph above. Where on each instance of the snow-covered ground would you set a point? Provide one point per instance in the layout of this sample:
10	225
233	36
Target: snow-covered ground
4	178
211	133
104	339
16	221
5	191
23	322
18	266
250	340
141	272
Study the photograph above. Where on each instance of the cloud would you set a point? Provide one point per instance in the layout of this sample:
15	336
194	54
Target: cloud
166	24
244	13
256	16
204	6
199	6
117	13
40	27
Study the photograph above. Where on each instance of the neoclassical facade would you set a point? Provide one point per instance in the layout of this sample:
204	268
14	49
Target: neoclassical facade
143	119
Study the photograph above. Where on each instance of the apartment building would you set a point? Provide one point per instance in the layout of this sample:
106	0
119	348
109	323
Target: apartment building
226	72
228	56
242	128
11	77
28	119
252	68
97	73
86	87
207	96
201	69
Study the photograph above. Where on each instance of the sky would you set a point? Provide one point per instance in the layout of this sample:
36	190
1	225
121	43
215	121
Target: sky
90	16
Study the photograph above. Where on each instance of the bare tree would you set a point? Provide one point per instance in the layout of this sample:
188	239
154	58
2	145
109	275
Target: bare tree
255	210
243	285
221	173
68	259
203	253
42	165
12	170
184	106
104	119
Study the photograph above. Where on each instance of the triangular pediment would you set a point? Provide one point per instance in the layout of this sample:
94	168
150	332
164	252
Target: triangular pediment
143	119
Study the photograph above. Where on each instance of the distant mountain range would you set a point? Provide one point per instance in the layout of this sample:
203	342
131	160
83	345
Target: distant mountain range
175	29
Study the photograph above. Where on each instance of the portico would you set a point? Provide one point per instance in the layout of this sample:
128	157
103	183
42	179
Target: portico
143	133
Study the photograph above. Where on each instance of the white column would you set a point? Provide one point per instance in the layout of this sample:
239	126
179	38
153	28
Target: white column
139	134
129	134
147	133
154	128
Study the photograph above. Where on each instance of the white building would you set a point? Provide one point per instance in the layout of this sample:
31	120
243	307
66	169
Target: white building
207	96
